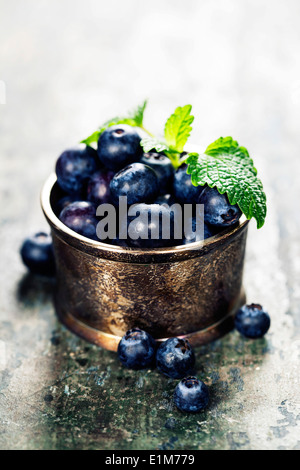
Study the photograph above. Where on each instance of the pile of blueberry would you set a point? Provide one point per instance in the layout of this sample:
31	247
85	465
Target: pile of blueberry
89	178
176	359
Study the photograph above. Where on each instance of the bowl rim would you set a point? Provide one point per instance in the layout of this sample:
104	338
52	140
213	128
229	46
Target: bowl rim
98	248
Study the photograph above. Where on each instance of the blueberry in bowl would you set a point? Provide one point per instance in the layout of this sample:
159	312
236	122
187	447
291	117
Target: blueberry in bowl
163	168
74	167
81	217
218	212
119	146
138	182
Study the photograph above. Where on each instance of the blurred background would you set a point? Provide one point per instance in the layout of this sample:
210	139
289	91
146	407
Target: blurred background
67	66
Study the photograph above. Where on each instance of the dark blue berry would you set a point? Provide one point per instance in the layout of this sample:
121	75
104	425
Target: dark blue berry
74	167
163	168
138	182
37	254
191	237
165	199
136	349
218	212
175	358
64	202
252	321
184	191
191	395
81	217
98	189
146	229
119	146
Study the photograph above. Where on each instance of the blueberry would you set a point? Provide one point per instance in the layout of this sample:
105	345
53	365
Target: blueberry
194	237
165	199
218	212
137	181
146	229
64	202
191	395
74	167
119	146
252	321
37	254
175	358
136	349
163	168
184	191
98	189
81	217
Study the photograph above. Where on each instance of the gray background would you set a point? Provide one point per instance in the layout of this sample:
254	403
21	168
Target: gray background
67	66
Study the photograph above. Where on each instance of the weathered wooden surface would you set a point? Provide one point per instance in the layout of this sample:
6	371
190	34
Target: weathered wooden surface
69	65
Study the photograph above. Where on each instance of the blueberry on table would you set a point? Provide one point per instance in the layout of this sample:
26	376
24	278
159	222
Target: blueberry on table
252	321
146	229
191	395
98	188
184	191
175	358
119	146
37	254
136	349
163	168
218	212
81	217
74	167
138	182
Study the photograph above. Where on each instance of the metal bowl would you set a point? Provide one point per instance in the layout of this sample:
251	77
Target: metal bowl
103	290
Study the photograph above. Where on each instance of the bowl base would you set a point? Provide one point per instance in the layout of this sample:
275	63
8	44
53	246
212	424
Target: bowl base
110	342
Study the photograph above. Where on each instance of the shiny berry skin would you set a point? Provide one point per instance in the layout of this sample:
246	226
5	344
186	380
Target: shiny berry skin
37	254
192	237
191	395
136	349
119	146
148	223
138	182
184	191
217	210
81	217
252	321
163	168
74	167
175	358
98	188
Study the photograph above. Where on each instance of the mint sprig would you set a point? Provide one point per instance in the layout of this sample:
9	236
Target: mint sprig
228	167
134	119
177	131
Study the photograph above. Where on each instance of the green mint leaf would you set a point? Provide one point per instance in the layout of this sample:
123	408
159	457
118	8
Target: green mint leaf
178	128
134	119
138	114
228	146
231	174
149	143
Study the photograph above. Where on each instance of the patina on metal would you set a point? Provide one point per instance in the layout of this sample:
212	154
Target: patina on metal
189	291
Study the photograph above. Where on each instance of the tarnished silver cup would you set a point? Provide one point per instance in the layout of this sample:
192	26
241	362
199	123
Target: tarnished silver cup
188	291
